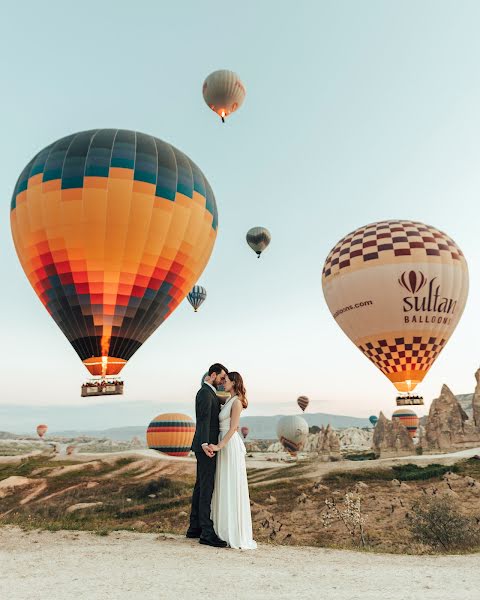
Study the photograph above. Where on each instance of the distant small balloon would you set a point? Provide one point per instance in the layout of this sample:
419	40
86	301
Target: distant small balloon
303	402
244	431
223	92
70	450
373	419
197	296
258	238
41	430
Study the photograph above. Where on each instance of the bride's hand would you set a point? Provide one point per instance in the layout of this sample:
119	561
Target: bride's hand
214	447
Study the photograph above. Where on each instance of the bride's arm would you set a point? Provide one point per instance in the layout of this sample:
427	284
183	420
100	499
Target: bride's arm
234	423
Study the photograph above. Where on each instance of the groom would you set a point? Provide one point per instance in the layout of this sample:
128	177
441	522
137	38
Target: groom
207	408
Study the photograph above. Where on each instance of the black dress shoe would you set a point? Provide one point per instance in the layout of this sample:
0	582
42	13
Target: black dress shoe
193	533
213	540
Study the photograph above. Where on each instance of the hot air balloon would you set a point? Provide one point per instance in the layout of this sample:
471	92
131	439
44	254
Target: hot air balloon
408	419
197	296
292	432
41	430
223	92
303	402
112	229
373	420
70	450
244	431
171	433
258	238
398	290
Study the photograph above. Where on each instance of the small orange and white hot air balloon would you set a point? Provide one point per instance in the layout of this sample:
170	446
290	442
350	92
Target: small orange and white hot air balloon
41	430
223	92
397	289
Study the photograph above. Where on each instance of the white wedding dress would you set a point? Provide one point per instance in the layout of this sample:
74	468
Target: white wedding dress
231	516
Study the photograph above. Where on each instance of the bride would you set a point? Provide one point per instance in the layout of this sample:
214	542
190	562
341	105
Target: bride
231	515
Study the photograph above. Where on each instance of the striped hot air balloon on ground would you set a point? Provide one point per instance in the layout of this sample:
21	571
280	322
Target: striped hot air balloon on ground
223	92
408	419
292	432
171	433
112	228
197	296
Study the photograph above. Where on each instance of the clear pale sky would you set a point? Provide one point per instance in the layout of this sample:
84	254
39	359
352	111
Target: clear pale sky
356	111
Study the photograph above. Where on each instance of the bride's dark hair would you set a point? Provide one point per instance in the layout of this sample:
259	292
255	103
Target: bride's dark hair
238	387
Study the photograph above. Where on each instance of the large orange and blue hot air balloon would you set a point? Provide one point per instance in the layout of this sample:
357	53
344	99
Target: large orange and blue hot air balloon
112	228
171	433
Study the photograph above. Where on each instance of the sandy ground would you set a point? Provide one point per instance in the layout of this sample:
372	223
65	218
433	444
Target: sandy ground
124	565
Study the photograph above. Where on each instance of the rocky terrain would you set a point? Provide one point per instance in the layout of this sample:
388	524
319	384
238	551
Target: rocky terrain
448	426
146	494
390	438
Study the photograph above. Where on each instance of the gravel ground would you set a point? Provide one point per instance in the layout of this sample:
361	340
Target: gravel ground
123	565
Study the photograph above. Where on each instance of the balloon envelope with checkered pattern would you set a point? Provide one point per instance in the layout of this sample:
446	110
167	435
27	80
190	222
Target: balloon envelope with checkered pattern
397	289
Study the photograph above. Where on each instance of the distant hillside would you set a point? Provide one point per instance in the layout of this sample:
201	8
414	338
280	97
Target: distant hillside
265	428
261	428
5	435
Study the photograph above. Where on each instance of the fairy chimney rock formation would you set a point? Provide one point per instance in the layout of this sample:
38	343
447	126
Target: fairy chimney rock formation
328	447
448	427
390	438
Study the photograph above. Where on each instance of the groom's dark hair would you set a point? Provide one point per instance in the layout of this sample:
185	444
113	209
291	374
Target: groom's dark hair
217	368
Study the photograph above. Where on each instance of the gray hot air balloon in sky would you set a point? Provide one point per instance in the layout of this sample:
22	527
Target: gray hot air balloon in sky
224	92
197	296
258	238
292	432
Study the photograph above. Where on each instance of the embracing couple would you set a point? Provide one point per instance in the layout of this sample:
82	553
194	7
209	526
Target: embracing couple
220	514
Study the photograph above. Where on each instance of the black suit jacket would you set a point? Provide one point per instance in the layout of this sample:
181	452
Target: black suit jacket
207	409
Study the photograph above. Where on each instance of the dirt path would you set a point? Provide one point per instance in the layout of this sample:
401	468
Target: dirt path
83	566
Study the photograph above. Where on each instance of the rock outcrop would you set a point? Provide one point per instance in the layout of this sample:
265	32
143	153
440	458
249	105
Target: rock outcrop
390	438
325	444
476	401
448	427
354	438
328	445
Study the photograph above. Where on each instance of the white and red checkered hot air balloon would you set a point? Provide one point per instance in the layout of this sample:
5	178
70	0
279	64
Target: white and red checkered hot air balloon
398	290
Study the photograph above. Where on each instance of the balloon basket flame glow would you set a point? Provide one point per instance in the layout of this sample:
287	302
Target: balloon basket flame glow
409	400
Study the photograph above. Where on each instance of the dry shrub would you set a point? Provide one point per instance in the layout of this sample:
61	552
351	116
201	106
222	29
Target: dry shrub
438	523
